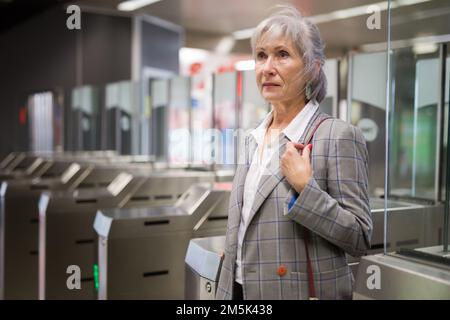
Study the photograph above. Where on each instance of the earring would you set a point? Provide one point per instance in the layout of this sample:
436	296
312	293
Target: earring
308	92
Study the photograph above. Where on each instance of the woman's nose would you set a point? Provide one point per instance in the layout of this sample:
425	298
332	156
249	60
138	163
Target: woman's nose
269	67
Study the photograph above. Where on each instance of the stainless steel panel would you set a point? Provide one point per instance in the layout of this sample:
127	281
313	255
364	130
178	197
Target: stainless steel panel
20	221
3	187
24	166
66	237
411	225
198	288
20	231
203	263
142	250
14	162
69	236
401	278
7	160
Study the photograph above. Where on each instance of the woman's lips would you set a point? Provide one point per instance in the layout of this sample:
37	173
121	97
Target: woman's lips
270	84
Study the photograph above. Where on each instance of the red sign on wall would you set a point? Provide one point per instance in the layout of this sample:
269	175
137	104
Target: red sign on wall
23	115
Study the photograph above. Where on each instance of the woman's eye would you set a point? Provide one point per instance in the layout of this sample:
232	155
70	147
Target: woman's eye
260	55
284	54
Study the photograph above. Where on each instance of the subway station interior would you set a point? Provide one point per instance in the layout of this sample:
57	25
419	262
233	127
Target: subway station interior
121	126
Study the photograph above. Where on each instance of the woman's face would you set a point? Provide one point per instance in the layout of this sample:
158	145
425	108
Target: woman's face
278	70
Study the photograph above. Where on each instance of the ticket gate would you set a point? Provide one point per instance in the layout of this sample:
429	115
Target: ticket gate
64	229
24	162
31	166
141	250
415	274
66	234
202	267
7	160
412	224
12	161
2	239
19	219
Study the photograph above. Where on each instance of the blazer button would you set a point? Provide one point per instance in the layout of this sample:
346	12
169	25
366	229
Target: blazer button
282	271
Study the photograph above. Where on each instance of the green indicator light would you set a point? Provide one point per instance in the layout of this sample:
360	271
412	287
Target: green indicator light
96	276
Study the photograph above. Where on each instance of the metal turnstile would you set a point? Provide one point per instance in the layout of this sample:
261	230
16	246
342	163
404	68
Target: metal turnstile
3	186
12	161
19	216
202	267
27	167
34	165
19	227
7	160
397	276
67	237
411	225
141	251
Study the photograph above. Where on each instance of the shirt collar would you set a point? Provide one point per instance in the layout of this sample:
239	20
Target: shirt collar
296	127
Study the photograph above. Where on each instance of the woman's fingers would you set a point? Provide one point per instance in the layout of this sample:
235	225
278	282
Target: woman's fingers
307	152
290	156
291	146
298	146
296	165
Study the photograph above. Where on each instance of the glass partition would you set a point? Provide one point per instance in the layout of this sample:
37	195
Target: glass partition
178	120
84	122
42	111
446	159
149	74
446	123
159	92
225	118
121	117
415	125
253	107
367	110
330	104
418	128
201	119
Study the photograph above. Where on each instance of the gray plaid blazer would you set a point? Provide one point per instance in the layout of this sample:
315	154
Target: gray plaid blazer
334	206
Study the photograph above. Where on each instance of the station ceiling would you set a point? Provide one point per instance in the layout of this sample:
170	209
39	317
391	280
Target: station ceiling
208	21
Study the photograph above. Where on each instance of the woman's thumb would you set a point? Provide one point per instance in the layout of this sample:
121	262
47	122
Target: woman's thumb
307	151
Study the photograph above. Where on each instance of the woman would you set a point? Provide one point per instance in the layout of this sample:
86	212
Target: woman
296	208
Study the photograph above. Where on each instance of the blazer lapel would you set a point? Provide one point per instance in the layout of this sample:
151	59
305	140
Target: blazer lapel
268	182
242	170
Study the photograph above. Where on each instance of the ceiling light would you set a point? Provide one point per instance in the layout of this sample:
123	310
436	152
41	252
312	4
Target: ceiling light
225	45
132	5
243	34
341	14
245	65
347	13
425	48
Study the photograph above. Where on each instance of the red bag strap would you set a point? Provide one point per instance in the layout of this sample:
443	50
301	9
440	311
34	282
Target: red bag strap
311	136
311	288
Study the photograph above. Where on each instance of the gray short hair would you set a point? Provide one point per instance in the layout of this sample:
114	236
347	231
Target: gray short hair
289	22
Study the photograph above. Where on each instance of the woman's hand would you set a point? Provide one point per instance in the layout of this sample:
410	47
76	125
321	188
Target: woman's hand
296	167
